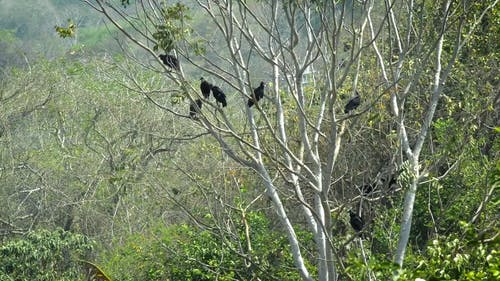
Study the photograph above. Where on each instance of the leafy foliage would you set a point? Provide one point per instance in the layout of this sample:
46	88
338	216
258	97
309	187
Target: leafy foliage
173	28
471	255
65	32
181	252
44	255
80	149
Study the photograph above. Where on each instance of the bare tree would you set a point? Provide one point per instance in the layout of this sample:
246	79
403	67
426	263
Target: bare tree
309	53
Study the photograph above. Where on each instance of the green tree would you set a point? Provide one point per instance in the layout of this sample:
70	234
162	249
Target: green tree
44	255
183	252
75	155
398	54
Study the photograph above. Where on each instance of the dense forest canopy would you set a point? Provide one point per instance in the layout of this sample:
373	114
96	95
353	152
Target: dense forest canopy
249	140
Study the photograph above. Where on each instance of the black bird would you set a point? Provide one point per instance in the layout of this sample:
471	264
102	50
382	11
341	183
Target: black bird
219	95
205	88
356	221
170	61
367	189
258	93
347	47
193	110
353	103
341	64
392	180
390	183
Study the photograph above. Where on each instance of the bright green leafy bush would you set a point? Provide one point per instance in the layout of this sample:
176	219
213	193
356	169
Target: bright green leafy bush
183	252
44	255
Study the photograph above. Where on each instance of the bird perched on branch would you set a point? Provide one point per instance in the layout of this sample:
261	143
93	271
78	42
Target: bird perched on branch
205	88
367	189
353	103
392	181
356	221
170	61
194	108
258	93
219	95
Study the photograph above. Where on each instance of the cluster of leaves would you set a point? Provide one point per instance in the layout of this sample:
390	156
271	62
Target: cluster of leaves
173	28
469	255
44	255
466	256
183	252
65	32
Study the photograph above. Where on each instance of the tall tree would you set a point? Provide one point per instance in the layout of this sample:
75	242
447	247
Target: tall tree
311	53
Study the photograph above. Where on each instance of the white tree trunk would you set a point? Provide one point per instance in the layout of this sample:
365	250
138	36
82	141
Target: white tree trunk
290	54
290	232
409	202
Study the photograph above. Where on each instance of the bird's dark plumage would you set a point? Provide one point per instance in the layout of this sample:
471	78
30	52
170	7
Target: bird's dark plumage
353	103
258	94
219	96
356	221
347	47
170	61
392	180
205	88
367	189
193	110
